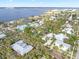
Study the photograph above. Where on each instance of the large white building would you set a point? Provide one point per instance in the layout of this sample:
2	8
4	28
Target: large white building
61	45
60	42
21	48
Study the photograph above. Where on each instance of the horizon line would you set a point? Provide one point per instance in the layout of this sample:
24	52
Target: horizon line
38	6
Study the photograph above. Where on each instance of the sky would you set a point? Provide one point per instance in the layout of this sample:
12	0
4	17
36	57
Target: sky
39	3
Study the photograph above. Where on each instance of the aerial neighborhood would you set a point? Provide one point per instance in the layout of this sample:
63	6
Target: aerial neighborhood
52	35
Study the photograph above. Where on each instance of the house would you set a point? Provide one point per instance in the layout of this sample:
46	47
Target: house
48	42
47	36
56	11
2	35
48	39
21	27
60	36
40	22
61	45
21	48
36	23
67	25
52	18
77	17
33	24
68	30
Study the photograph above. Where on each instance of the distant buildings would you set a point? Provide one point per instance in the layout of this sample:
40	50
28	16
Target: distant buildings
33	24
21	48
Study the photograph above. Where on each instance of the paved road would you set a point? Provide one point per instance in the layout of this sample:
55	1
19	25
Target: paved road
77	55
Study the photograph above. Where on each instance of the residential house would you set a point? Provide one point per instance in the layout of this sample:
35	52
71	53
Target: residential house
21	27
48	36
68	29
60	36
49	42
61	45
21	48
60	42
52	18
36	23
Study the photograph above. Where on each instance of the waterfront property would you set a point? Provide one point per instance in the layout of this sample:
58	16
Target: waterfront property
21	48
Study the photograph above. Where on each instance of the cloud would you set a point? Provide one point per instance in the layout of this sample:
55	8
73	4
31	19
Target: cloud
33	0
10	0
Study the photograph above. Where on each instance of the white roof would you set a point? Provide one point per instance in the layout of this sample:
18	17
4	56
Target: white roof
48	42
21	27
33	24
60	36
68	25
74	10
21	48
11	22
78	17
68	30
40	22
64	47
36	23
49	36
52	18
2	35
